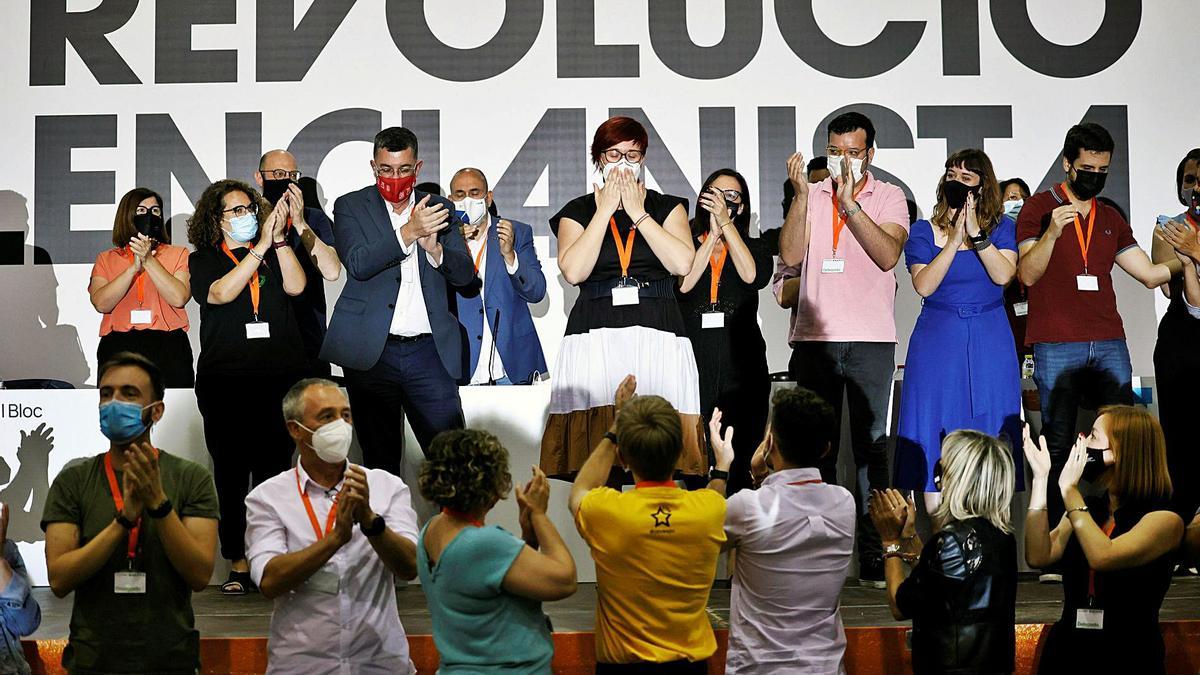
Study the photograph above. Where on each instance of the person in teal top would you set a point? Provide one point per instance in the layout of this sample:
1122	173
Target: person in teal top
484	586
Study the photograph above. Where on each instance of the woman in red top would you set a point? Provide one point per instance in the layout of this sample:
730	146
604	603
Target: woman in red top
140	286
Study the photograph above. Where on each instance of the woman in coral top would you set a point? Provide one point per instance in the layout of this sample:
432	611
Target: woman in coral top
140	286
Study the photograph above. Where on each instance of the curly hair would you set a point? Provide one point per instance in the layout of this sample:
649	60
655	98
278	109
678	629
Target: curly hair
204	227
465	470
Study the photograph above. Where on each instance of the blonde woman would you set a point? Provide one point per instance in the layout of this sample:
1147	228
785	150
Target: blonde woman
1115	550
962	591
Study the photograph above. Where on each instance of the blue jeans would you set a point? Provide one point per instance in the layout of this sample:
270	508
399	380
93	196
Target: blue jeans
1070	375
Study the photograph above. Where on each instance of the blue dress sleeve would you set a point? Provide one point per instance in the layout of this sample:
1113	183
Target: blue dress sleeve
919	248
1004	236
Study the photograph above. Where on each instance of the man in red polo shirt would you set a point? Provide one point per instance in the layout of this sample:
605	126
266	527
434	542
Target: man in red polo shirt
1068	243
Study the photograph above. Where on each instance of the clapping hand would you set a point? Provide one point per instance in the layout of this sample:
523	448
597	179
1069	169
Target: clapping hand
425	224
894	516
504	232
713	201
141	462
633	194
295	205
343	528
971	221
1182	238
845	186
1037	455
141	246
355	487
625	391
1073	469
722	447
797	171
608	197
758	463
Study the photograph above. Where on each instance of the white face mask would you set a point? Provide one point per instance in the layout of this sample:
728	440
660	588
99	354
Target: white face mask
623	163
331	441
1012	207
476	209
856	169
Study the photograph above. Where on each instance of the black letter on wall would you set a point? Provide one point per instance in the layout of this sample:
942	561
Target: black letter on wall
578	53
776	142
670	40
804	36
659	161
162	152
56	187
319	137
960	37
174	59
410	31
1112	39
964	126
51	26
558	147
285	55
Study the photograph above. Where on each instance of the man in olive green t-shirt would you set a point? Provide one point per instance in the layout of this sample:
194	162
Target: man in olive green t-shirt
132	532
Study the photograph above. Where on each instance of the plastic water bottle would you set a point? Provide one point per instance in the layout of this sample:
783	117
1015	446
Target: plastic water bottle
1027	367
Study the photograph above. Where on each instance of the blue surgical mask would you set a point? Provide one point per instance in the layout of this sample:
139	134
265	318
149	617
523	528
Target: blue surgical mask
243	228
1012	207
121	421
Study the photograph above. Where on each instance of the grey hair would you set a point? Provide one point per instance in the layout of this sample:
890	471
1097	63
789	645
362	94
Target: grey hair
978	479
293	401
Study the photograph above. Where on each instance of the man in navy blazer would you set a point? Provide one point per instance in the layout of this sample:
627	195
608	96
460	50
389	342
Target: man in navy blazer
392	329
504	348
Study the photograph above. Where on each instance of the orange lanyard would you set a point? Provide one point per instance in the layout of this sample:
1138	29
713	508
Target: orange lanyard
624	253
1091	572
119	501
807	482
839	223
479	256
139	279
453	513
255	291
1194	224
717	263
312	515
1084	243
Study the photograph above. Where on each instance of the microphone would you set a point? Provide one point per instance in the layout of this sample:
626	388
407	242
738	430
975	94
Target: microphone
492	351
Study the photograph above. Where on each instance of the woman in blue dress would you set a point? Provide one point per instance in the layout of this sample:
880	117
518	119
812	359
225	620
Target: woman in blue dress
961	371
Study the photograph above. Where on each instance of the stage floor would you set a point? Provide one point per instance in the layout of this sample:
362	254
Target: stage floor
249	616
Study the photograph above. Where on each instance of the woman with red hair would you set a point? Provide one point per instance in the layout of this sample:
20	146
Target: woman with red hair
622	245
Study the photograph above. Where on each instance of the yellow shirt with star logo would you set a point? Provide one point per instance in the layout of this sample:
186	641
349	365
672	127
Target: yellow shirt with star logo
655	550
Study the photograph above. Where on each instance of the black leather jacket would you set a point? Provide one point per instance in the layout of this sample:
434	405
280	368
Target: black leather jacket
962	598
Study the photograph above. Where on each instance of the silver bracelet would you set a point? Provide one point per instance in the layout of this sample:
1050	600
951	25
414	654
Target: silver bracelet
854	211
256	255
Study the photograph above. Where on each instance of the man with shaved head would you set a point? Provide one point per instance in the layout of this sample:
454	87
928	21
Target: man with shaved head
503	347
310	235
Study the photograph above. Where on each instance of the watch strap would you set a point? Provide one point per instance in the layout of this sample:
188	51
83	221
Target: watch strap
376	527
162	511
125	522
611	437
717	474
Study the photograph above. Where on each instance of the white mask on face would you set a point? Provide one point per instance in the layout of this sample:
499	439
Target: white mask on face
476	209
1012	207
856	169
623	163
331	441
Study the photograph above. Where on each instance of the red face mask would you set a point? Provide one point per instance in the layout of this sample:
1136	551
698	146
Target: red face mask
395	190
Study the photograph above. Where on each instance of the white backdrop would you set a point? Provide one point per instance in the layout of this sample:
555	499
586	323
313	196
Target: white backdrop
91	115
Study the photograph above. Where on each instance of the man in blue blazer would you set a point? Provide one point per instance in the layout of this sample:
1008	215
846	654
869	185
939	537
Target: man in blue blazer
504	348
392	329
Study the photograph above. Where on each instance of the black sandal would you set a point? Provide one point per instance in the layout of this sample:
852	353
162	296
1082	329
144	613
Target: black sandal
238	583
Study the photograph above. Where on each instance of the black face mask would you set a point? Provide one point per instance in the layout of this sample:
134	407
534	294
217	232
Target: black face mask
1088	184
274	189
151	225
733	209
1095	466
956	193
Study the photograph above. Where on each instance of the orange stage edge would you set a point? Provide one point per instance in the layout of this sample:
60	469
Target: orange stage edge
869	650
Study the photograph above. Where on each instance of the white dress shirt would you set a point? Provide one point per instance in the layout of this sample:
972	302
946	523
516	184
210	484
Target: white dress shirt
314	630
410	318
794	538
478	247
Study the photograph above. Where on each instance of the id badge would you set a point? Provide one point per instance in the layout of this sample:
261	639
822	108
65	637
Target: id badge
712	320
129	583
140	317
324	580
1089	619
1021	308
833	266
1087	282
258	330
624	295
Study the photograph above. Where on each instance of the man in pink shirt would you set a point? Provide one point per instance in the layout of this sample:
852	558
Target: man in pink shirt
840	242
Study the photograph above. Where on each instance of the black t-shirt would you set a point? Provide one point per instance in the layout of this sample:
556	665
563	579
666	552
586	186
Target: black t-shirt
224	346
643	265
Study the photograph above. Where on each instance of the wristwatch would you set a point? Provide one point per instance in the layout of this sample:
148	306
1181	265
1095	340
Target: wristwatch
891	549
851	213
612	438
163	509
376	527
717	474
980	241
125	522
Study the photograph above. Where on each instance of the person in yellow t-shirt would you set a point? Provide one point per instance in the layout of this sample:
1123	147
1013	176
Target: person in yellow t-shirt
656	546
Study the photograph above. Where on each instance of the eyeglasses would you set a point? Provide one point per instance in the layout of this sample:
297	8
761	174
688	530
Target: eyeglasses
387	171
615	155
730	195
242	210
141	210
280	174
854	153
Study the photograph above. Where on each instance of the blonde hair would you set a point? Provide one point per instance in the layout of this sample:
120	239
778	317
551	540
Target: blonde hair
978	479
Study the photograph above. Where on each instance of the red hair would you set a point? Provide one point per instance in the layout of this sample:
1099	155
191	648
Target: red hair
618	130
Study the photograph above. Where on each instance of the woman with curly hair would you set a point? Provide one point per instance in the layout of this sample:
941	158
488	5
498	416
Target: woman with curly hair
485	587
251	352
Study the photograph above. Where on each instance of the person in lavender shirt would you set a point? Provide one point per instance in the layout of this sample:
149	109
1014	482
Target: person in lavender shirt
794	536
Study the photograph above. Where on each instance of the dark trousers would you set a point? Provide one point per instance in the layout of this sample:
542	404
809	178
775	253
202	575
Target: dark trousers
863	371
410	381
1070	375
170	350
1176	374
247	439
681	667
